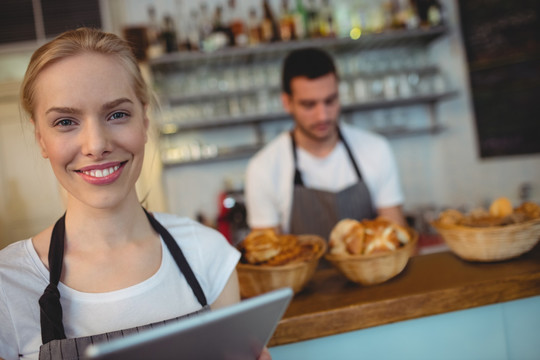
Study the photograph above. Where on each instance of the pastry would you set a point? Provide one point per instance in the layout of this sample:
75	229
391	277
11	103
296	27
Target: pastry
265	247
501	207
261	246
347	237
366	237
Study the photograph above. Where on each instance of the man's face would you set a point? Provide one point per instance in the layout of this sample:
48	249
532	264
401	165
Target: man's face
314	105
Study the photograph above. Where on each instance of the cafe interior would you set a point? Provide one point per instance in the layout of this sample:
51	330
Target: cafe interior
453	85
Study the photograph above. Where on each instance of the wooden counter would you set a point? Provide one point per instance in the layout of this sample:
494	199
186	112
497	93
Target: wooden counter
430	284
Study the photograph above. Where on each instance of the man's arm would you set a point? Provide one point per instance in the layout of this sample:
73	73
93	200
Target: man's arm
260	198
394	214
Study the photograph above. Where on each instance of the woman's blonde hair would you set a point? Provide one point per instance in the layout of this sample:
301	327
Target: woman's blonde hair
75	42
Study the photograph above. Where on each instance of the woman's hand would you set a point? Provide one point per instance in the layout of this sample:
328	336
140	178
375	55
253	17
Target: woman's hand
265	355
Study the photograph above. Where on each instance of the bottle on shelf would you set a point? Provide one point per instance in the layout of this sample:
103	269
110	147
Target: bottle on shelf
233	19
168	34
155	47
192	31
313	19
300	20
326	20
219	26
205	22
254	28
430	12
286	22
269	27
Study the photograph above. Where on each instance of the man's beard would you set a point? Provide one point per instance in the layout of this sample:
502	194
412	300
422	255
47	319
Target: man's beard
306	131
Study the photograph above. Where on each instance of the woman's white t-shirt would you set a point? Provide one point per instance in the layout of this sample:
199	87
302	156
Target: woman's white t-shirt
165	295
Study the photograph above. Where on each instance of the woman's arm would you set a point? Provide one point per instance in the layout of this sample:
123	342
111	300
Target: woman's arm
230	294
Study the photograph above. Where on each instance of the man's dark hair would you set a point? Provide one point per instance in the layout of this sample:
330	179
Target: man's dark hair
309	62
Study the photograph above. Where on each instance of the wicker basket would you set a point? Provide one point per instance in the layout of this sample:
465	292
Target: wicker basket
258	279
490	243
374	268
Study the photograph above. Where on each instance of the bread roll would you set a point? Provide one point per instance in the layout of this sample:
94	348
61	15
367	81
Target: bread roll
451	217
530	209
347	237
260	246
501	207
380	236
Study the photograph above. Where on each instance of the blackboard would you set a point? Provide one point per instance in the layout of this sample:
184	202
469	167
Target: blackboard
502	42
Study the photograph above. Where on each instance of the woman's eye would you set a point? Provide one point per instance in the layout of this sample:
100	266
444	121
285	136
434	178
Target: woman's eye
118	115
64	122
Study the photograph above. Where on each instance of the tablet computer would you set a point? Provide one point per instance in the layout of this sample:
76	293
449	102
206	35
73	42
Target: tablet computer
239	331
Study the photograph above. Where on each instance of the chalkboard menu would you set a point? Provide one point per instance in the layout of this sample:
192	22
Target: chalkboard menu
502	41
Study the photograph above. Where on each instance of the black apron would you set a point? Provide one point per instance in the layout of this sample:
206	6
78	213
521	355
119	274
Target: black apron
316	211
55	345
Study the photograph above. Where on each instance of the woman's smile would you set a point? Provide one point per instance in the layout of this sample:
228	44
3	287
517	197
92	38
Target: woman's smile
102	174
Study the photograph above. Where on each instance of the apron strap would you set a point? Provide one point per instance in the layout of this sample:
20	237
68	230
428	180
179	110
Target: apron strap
356	168
49	303
52	327
179	257
298	176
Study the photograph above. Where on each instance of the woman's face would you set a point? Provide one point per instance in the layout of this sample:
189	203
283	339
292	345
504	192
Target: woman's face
92	128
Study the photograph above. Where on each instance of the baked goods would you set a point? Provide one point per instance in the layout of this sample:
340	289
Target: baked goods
265	247
501	207
500	213
261	246
347	236
352	237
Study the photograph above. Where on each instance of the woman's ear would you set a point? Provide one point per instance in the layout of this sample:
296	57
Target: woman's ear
39	140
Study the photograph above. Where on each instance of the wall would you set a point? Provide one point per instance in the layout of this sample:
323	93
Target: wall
443	169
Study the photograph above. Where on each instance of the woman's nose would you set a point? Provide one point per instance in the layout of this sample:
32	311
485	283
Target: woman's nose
95	139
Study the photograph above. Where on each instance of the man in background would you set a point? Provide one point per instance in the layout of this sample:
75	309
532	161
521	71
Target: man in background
307	179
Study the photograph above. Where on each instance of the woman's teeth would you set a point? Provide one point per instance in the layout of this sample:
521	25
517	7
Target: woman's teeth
103	172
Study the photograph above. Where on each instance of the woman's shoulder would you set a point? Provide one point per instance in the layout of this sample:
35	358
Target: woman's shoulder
15	248
16	254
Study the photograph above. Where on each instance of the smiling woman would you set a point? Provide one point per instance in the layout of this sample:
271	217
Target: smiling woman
107	264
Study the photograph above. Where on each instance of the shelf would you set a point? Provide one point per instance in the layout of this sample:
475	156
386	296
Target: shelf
368	41
173	128
239	152
247	151
176	100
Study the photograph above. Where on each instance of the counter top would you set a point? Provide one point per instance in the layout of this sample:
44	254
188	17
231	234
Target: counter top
429	285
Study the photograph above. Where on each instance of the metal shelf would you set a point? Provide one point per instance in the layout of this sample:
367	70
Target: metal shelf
246	151
239	152
176	100
369	41
173	128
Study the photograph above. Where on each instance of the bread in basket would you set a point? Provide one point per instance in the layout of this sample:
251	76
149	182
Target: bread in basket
271	261
497	234
371	251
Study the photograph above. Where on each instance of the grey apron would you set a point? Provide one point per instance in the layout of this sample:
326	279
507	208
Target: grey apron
55	345
316	211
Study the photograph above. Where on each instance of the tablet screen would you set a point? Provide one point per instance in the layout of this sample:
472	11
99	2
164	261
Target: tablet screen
239	331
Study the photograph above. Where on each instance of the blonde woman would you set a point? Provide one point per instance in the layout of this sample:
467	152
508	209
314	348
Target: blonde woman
107	264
